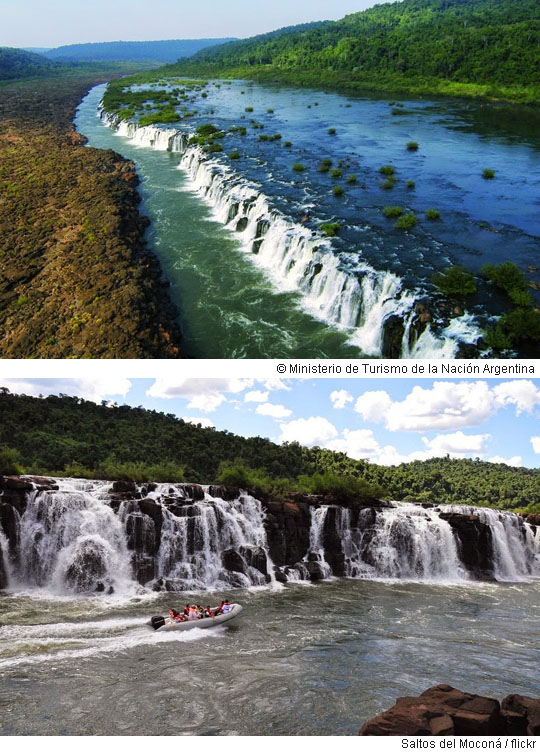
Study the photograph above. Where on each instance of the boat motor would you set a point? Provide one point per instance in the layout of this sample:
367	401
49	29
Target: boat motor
157	621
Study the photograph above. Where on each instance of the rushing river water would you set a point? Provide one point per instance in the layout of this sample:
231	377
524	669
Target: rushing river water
311	660
276	287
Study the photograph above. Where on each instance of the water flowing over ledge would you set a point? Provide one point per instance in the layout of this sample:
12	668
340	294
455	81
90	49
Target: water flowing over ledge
68	536
336	288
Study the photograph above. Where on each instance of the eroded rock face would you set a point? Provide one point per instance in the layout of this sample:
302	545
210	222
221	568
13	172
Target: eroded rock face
475	544
445	711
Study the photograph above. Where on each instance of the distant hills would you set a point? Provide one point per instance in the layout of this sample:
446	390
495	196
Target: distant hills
482	42
16	64
166	51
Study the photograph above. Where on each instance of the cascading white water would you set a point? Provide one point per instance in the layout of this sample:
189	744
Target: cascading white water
340	290
316	544
193	545
71	541
412	543
516	549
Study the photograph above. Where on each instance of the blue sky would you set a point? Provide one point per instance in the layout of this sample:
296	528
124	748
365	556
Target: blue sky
386	421
37	23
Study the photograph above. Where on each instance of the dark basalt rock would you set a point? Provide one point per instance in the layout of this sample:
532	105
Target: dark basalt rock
522	715
233	561
3	574
255	557
242	224
225	493
287	529
446	711
393	331
9	523
475	544
314	570
87	571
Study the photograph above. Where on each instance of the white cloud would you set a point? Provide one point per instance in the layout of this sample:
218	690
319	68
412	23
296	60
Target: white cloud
535	442
373	405
340	398
313	431
202	420
204	394
522	393
514	461
274	410
357	443
275	383
256	396
457	443
96	389
447	405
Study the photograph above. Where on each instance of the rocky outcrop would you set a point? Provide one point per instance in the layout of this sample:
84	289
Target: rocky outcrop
287	530
446	711
475	544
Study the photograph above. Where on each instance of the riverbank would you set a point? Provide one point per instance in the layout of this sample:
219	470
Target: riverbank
76	277
345	81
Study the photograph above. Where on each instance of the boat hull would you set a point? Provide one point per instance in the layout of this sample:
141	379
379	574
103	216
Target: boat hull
202	622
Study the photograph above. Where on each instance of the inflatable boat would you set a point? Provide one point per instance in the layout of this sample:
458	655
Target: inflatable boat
161	623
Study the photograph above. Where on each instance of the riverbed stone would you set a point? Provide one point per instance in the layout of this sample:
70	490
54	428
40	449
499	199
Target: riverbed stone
440	710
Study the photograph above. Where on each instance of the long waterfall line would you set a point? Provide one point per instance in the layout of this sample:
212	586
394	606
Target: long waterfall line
85	536
339	290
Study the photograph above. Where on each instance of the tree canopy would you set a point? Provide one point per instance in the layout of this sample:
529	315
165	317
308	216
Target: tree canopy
73	437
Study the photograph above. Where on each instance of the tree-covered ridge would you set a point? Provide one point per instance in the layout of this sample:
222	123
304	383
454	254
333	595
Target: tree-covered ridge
66	435
161	51
481	42
16	64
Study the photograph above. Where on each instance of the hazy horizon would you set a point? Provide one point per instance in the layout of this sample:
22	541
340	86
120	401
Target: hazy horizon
33	23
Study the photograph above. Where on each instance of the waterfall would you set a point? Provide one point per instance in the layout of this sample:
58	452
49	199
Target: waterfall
71	542
338	289
214	544
409	542
516	549
71	536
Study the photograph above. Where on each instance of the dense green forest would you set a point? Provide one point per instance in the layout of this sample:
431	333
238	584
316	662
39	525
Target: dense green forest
16	64
70	436
162	51
476	47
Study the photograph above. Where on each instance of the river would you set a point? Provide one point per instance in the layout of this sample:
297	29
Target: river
301	660
297	294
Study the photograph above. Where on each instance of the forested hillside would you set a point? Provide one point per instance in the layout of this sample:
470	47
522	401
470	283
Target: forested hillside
162	51
66	435
16	64
412	44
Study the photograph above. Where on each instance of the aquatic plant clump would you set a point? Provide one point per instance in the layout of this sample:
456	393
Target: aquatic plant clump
406	222
456	282
330	229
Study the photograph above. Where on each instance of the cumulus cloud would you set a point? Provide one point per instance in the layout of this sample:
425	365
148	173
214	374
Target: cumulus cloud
535	442
202	420
95	389
447	405
313	431
274	410
522	393
374	405
204	394
457	443
275	383
514	461
340	398
256	396
356	443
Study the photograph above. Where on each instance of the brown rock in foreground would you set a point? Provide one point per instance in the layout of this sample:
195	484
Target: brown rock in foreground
446	711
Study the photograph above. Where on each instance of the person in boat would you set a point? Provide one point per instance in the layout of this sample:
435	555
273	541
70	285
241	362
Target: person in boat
186	610
208	612
226	607
176	616
219	608
193	615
